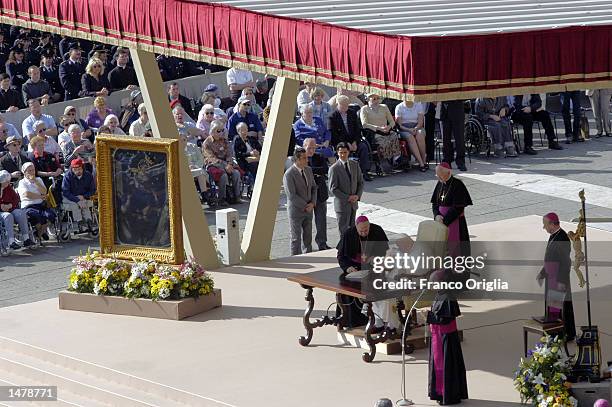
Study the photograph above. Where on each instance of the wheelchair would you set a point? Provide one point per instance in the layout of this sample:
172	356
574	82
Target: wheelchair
477	138
69	227
4	243
213	191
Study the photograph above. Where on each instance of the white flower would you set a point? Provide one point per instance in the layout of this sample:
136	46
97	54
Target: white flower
96	289
538	379
79	271
144	291
106	273
75	284
183	293
573	401
164	292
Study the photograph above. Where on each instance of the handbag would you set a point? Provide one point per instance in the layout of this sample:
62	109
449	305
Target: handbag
584	127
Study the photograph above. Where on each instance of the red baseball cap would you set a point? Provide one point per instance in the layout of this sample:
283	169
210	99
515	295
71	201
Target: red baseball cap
77	162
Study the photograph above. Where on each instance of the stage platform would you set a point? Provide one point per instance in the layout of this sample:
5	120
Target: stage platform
247	353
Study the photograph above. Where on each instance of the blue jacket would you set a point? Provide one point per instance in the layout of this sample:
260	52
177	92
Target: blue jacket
72	186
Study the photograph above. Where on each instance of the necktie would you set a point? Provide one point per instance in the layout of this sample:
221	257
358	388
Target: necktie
346	168
304	178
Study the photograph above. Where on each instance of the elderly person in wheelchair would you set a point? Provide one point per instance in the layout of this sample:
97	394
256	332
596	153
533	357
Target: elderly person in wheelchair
33	195
219	162
378	123
196	165
10	213
78	187
495	114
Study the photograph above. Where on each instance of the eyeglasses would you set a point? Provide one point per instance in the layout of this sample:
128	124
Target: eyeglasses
209	112
41	131
71	113
219	131
246	104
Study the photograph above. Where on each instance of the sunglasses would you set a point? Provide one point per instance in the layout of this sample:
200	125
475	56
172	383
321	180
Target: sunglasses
41	131
209	112
246	104
219	130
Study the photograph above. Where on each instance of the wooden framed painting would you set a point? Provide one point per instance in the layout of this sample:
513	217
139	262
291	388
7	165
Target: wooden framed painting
139	198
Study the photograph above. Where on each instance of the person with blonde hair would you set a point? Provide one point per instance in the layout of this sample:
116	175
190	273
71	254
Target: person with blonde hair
98	114
219	162
93	81
320	108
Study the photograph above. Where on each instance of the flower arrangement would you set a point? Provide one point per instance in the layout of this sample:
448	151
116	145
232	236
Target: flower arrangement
143	278
541	378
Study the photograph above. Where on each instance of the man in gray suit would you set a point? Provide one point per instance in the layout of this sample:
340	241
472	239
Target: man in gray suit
319	166
301	191
346	185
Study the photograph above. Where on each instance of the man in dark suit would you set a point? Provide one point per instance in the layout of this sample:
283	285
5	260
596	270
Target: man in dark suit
174	93
123	76
301	190
526	110
15	158
453	128
319	167
346	185
345	127
50	73
70	72
10	99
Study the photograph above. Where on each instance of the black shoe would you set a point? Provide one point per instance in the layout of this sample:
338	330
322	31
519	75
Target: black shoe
324	247
598	135
530	151
367	177
14	246
554	146
45	236
28	243
461	167
423	168
580	139
608	134
569	141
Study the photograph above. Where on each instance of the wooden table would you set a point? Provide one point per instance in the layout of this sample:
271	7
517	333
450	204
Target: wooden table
552	328
333	280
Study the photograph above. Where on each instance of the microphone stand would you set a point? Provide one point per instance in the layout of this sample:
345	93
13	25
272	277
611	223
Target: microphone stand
404	401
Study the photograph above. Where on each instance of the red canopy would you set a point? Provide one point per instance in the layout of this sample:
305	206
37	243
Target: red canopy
419	67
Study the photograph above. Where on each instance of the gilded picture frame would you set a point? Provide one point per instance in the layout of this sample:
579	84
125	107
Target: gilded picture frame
139	198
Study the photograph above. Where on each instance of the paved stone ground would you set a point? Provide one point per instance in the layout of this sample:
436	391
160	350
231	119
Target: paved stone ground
33	275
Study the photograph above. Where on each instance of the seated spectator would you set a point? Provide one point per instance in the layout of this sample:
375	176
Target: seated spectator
70	117
303	97
244	115
410	118
12	130
137	128
10	99
493	112
247	93
377	118
33	195
247	150
345	127
129	112
101	53
113	125
196	165
47	165
78	187
218	160
31	57
50	146
77	147
71	72
11	214
36	88
353	99
525	110
14	159
205	118
170	68
262	90
175	94
309	126
3	137
210	98
320	109
123	76
98	114
17	68
237	80
93	81
187	128
36	115
50	74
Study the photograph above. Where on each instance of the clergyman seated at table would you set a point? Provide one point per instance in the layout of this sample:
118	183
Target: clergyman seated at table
356	249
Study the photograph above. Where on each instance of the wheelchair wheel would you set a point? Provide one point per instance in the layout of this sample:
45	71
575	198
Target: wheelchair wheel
474	136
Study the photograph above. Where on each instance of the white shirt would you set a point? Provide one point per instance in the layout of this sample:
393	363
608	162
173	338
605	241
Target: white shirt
27	127
25	185
238	76
302	173
406	114
63	138
137	129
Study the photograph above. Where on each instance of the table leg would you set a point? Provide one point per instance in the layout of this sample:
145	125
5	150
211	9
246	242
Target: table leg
343	312
305	340
369	356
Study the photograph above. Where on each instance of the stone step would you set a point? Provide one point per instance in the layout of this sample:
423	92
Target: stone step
91	382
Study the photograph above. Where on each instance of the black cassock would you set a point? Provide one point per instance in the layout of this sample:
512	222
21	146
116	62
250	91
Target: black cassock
447	378
557	264
349	255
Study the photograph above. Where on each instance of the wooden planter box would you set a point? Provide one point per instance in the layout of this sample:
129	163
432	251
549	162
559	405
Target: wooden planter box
139	307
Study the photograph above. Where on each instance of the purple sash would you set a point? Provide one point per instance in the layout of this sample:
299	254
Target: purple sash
454	235
437	347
